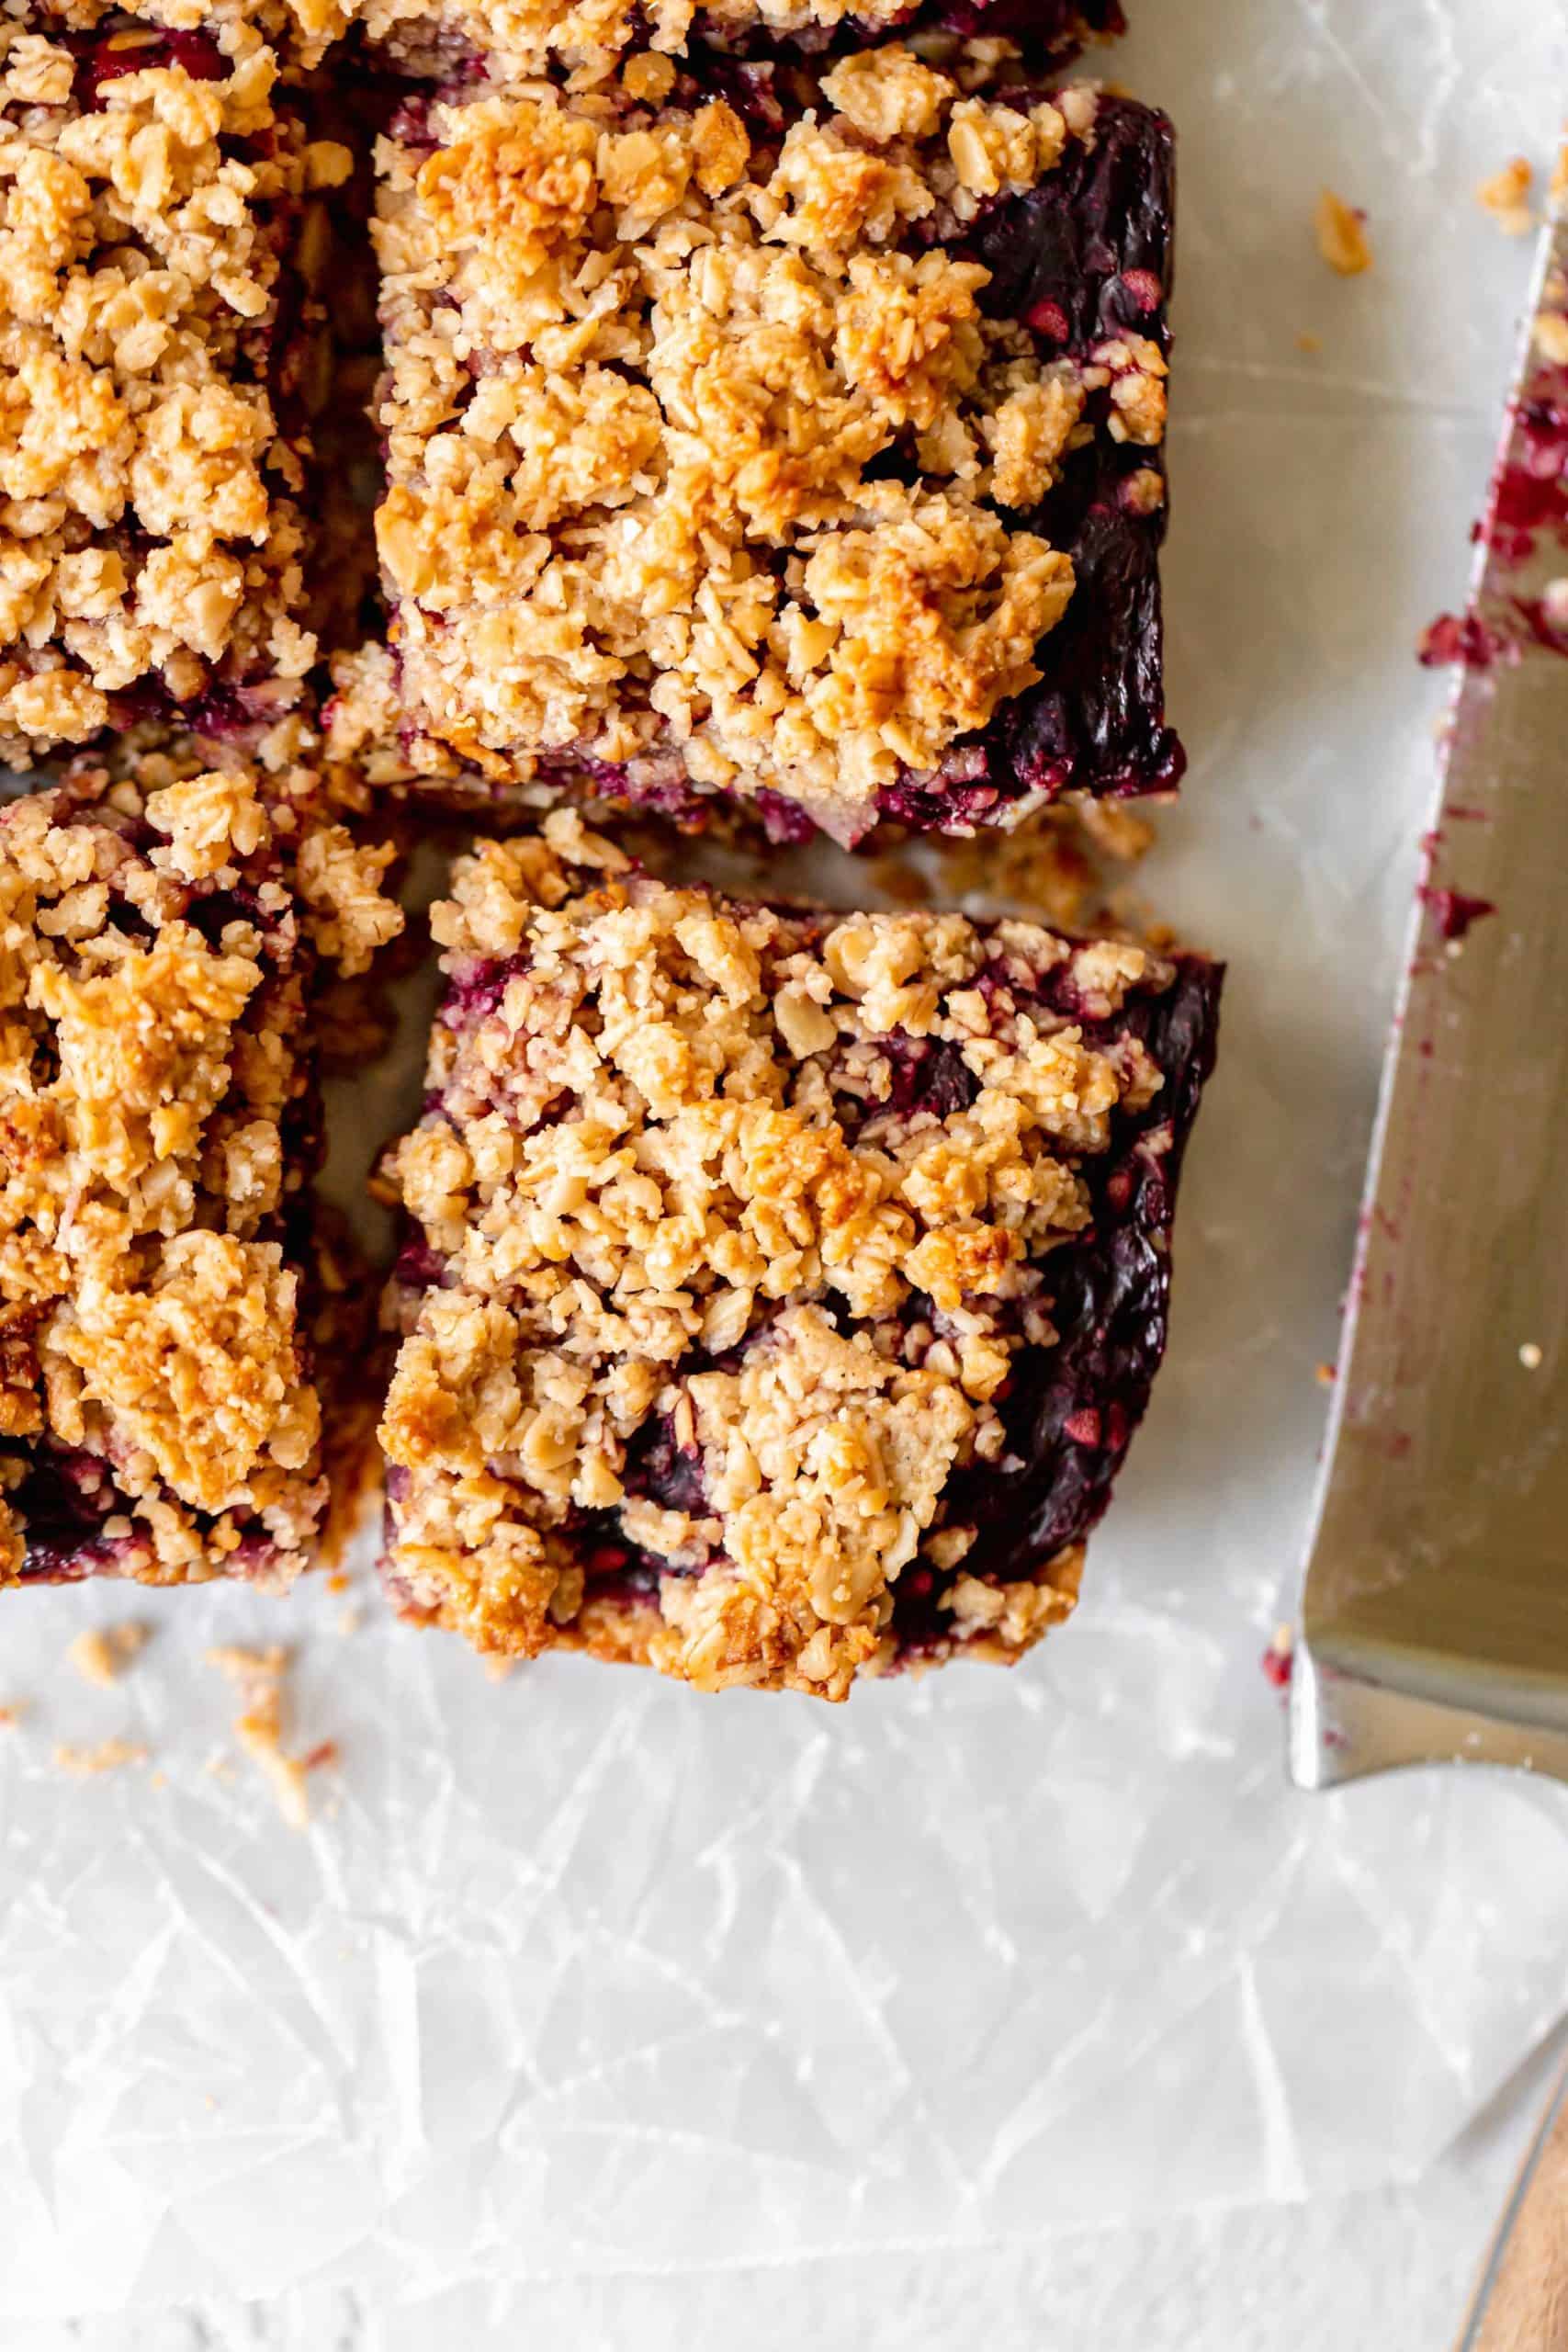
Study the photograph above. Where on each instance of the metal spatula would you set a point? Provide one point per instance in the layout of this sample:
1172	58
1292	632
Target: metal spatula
1435	1621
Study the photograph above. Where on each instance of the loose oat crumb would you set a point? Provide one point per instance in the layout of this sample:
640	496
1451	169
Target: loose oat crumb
1342	235
108	1755
1506	197
258	1676
1327	1374
1309	343
12	1713
102	1655
1529	1356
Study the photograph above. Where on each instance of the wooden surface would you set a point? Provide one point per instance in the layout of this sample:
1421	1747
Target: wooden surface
1522	2301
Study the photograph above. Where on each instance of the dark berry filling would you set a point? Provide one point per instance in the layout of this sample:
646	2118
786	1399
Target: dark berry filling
1082	258
109	57
1071	1409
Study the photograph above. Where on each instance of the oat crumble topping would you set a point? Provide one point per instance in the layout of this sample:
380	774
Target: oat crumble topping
151	540
705	446
743	1242
158	1129
588	39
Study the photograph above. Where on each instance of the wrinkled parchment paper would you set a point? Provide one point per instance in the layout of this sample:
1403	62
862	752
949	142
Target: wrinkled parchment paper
579	1973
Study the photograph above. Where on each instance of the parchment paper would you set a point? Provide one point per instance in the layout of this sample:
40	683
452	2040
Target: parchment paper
582	1974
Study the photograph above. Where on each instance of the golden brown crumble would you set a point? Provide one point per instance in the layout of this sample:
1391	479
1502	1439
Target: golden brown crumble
589	39
670	1184
259	1677
1341	233
641	377
1507	196
149	528
155	1133
102	1653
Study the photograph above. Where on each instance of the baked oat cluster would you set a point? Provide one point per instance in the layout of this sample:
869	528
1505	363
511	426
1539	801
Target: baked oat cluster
155	205
159	938
785	1286
722	451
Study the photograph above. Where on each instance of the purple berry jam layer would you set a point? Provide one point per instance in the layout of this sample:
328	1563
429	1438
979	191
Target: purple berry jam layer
163	219
782	1288
159	936
800	452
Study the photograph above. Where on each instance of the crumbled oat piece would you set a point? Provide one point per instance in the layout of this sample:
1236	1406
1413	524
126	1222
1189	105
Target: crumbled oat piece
106	1755
159	1413
151	533
259	1676
12	1713
761	1258
713	469
102	1653
1507	196
1342	235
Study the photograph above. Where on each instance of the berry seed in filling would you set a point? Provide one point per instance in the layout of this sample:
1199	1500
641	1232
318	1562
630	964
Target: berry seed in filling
784	1287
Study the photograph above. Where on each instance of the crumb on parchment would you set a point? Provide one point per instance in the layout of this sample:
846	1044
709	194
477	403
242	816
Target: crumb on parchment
102	1653
1342	235
11	1714
105	1756
1506	197
258	1676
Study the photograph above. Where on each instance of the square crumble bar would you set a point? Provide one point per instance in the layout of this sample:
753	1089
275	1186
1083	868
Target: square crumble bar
807	455
159	1129
161	344
786	1285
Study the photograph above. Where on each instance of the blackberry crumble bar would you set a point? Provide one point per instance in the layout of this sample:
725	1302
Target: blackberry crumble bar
160	221
784	1287
809	458
159	938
